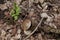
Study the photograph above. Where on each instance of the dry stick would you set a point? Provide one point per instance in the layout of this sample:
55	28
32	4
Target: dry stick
34	29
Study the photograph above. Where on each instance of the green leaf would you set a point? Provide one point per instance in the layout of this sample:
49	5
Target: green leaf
15	11
12	12
15	17
14	6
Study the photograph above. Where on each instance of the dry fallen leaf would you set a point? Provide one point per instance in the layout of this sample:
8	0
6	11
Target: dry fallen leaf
44	15
3	6
18	1
41	1
3	33
17	36
7	14
26	24
31	13
14	31
27	32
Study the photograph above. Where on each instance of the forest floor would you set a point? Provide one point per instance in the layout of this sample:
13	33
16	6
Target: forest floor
36	20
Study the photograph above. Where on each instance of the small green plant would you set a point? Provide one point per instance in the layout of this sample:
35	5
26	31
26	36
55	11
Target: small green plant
15	11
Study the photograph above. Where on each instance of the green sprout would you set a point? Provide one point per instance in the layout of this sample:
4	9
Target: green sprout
15	11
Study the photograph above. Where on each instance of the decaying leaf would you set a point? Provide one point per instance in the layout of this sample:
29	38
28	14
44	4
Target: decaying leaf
26	24
27	32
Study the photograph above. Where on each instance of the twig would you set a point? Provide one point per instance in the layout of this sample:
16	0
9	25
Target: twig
34	29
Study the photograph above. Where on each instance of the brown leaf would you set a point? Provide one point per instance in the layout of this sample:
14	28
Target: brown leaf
26	24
